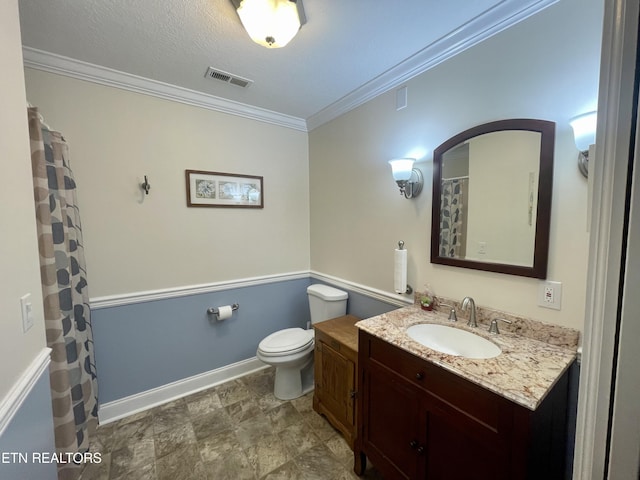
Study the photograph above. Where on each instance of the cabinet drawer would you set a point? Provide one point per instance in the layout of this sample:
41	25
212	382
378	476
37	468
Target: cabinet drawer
483	407
332	342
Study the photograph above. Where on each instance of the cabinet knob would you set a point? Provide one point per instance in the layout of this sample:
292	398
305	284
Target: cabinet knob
420	450
413	444
352	393
419	376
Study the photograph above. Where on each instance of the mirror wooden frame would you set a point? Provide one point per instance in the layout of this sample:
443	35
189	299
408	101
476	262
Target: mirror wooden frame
545	186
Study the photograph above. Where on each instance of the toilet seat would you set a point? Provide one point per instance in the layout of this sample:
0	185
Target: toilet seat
286	342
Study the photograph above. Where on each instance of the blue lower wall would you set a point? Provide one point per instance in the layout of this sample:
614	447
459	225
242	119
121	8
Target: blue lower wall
30	431
147	345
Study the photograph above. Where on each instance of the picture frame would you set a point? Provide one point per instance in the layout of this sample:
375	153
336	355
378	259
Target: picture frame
227	190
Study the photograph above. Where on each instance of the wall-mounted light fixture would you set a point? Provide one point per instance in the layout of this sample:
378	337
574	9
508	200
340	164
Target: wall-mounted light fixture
584	133
409	179
271	23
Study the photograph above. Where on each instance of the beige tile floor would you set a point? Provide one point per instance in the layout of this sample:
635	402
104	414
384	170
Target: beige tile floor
236	431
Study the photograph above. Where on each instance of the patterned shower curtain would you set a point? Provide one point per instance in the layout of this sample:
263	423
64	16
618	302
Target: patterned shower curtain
451	217
65	295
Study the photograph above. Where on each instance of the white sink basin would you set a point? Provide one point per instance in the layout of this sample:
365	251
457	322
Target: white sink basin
453	341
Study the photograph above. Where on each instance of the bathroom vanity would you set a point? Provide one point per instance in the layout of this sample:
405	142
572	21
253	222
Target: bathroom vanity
428	415
335	369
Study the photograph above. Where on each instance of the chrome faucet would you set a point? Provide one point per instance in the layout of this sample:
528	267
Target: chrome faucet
468	301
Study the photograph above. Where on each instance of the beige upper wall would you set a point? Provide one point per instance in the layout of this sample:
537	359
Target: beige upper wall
545	67
19	270
136	243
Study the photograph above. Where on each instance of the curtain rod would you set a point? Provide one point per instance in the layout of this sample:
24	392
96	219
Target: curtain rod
42	122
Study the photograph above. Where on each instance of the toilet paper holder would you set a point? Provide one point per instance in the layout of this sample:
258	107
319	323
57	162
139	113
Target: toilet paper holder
216	312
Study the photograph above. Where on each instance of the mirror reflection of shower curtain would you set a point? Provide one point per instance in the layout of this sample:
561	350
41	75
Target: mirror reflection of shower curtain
453	217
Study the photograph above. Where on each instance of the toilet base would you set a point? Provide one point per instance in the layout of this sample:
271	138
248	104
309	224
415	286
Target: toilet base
293	382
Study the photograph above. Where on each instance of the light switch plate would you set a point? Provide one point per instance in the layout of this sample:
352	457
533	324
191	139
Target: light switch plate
27	312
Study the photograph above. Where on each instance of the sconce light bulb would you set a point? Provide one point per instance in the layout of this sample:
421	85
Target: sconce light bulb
401	168
584	130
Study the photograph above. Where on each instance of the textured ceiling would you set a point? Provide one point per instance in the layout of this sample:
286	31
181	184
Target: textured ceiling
343	46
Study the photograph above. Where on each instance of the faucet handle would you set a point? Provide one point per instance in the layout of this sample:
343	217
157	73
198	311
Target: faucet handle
493	328
452	313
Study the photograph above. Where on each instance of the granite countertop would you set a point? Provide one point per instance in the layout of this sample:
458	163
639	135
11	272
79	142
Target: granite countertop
524	372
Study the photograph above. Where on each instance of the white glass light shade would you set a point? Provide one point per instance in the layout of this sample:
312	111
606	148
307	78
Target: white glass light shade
270	23
584	130
401	168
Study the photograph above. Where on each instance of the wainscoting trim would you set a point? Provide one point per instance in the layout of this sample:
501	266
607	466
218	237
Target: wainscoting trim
148	296
123	407
22	388
391	298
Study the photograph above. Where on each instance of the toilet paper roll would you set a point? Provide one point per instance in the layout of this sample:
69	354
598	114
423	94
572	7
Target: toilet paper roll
224	312
400	271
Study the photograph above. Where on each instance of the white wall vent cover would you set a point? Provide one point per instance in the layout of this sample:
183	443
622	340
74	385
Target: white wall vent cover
227	77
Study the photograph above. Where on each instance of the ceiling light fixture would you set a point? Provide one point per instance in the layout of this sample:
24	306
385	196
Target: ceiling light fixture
271	23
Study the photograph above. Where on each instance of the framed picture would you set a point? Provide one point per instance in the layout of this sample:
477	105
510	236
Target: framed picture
215	189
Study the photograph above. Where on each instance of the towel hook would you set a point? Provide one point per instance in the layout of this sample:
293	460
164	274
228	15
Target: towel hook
145	186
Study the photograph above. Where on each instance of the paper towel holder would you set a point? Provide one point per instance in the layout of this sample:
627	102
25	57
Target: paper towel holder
409	290
215	311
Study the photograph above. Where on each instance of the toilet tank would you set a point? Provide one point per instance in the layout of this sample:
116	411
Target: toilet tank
326	302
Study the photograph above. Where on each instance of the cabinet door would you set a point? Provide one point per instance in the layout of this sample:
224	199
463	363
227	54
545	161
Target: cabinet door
391	429
457	449
336	383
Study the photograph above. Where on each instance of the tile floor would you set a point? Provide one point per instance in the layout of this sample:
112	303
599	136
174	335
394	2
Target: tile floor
236	431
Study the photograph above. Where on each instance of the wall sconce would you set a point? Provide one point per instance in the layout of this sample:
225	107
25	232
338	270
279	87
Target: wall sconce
584	133
271	23
409	179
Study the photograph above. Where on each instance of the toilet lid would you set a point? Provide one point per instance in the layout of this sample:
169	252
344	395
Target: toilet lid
289	340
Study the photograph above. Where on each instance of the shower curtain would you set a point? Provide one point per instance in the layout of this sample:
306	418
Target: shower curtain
65	295
451	218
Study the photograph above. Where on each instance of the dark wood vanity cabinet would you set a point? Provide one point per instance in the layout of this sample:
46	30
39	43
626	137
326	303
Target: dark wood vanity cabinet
335	370
418	421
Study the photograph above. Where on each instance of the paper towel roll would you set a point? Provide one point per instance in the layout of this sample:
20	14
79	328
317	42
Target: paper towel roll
225	312
400	271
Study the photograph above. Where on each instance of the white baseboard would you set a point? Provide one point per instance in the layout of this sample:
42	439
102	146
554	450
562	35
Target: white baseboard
21	390
117	409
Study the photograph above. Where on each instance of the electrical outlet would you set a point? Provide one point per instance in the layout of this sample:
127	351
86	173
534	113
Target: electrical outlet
27	312
550	295
482	248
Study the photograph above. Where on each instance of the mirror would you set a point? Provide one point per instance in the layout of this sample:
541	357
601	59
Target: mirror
492	198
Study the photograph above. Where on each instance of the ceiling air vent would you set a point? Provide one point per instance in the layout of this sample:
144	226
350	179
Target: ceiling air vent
227	77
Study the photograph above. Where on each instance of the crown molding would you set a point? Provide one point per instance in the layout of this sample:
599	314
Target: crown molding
498	18
69	67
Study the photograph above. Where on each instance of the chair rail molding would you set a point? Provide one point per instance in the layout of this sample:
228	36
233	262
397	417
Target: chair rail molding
20	391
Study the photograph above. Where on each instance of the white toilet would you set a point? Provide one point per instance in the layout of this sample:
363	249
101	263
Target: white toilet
291	350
